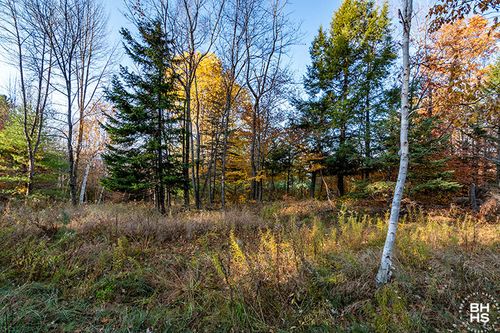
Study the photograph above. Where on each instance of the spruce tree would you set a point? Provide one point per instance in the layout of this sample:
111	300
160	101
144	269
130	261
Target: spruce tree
349	65
145	127
377	56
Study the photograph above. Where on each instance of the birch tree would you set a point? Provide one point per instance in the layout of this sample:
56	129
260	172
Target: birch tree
94	58
94	140
386	264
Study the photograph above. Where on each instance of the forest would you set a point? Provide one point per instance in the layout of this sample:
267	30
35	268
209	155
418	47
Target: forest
185	177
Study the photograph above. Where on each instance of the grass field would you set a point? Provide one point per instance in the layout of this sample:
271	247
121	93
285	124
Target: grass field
287	267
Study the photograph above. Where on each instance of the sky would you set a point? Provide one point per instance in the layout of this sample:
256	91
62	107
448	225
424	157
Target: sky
308	14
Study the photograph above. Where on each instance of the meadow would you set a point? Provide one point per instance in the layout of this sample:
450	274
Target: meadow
292	266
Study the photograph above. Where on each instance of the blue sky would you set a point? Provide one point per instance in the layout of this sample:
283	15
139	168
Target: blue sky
310	14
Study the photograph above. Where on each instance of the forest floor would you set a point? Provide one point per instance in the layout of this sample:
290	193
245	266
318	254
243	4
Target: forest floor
284	267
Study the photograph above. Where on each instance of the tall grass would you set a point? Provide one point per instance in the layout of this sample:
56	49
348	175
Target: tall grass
294	267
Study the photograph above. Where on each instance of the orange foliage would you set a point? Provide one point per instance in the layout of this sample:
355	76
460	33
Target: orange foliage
455	65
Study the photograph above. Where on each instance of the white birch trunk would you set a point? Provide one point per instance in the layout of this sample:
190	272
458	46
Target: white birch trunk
84	182
385	269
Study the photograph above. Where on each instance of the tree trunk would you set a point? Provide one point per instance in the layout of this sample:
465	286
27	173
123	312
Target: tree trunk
223	178
343	130
340	174
273	186
196	153
100	196
260	172
253	151
473	197
161	182
366	172
198	163
31	172
81	125
72	172
193	167
312	188
340	184
213	181
288	181
83	188
498	155
386	267
225	142
187	134
223	162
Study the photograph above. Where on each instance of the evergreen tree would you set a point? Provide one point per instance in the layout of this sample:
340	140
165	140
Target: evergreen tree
428	170
313	126
349	65
49	161
377	56
145	128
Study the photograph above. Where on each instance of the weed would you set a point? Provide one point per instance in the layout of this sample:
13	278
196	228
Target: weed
297	266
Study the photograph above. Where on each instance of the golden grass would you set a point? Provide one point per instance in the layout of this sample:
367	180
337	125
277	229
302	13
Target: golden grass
294	266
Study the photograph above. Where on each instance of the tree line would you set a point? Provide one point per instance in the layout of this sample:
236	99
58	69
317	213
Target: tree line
207	112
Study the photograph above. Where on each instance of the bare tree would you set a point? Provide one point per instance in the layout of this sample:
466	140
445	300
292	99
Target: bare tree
386	266
32	57
268	37
91	65
75	30
231	50
196	24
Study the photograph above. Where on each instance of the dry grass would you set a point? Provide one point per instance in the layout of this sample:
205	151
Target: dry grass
294	266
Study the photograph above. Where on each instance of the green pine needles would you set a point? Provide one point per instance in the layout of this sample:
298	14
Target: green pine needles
347	86
145	128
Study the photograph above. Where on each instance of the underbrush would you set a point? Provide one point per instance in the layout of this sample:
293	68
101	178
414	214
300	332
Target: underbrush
288	267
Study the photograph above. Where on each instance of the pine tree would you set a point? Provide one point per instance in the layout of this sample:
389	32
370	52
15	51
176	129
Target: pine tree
349	66
377	56
145	129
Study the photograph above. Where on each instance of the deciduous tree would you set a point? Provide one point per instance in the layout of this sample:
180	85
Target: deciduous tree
386	263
